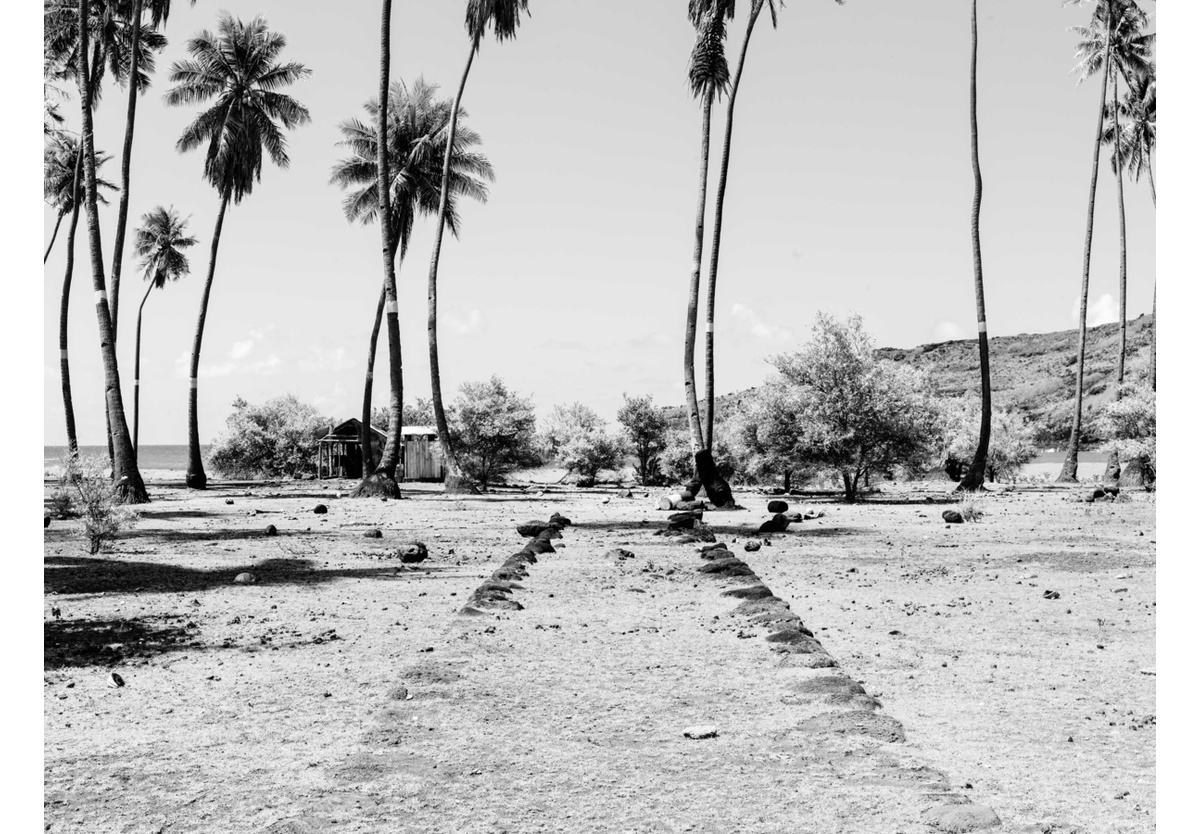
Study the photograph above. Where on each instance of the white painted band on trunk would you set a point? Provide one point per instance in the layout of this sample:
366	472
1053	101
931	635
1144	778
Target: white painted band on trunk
391	308
192	382
370	374
983	326
708	327
101	297
63	354
136	382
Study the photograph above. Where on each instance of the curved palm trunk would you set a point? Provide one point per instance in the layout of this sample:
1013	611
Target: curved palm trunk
1150	172
455	480
196	479
54	234
1121	215
64	364
364	434
128	485
718	215
383	480
137	368
135	33
978	471
1070	467
706	471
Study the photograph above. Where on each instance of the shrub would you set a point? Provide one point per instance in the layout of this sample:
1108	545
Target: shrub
646	431
492	430
277	439
678	464
1129	425
1010	445
95	500
576	438
970	507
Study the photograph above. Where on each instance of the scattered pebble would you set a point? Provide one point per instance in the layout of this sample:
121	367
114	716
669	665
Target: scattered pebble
699	732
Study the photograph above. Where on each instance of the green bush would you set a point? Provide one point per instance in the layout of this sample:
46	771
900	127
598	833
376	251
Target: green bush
277	439
492	431
576	438
90	486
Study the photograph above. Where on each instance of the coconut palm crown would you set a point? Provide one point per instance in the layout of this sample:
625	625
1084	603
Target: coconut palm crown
158	242
417	128
503	15
1138	133
237	67
58	173
110	35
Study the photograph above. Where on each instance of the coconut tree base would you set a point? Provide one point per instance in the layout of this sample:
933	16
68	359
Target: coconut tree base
196	480
1138	474
377	485
131	491
715	487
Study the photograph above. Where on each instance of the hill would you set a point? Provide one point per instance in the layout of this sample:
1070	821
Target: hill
1032	373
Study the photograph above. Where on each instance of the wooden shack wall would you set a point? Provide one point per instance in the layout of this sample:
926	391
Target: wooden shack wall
423	460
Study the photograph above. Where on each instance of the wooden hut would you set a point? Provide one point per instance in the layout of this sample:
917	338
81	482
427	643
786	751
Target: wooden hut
339	451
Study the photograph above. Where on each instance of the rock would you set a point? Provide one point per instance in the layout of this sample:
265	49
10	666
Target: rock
373	533
699	732
715	546
691	506
752	545
778	523
245	578
537	546
777	507
1098	493
531	528
855	723
681	521
560	520
115	680
952	517
606	500
320	509
814	513
627	493
549	533
619	553
1048	594
756	591
413	552
271	530
732	566
45	520
1112	469
961	818
719	553
398	693
228	500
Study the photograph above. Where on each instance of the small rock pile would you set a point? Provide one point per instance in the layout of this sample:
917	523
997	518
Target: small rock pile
495	593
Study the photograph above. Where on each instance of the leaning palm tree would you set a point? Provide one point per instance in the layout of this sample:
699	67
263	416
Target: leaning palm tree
236	66
64	188
1138	134
978	469
159	11
128	484
1113	27
756	7
159	242
504	16
417	131
708	77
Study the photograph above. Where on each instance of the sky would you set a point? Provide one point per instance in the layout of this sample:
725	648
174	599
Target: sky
850	192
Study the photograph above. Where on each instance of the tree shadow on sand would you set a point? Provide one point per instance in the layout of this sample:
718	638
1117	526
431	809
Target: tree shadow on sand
78	643
90	575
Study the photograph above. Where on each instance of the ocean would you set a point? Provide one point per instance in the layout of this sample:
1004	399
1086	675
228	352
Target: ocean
150	458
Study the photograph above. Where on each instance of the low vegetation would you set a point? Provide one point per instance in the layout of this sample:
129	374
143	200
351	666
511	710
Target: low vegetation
277	439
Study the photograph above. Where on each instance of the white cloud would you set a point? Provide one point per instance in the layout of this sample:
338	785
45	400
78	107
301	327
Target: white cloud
327	359
945	330
758	327
234	363
1102	310
462	328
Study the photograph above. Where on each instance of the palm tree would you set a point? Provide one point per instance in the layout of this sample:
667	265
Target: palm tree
1138	136
756	7
158	242
236	66
1111	37
417	130
504	16
978	470
128	485
708	76
159	11
60	161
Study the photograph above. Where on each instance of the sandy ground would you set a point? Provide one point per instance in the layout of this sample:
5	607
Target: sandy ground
343	691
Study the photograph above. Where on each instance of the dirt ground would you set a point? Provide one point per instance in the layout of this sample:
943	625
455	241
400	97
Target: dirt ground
343	690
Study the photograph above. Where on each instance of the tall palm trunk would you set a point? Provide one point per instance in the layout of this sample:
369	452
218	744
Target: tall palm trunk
128	485
364	432
135	33
715	487
196	479
976	474
63	310
1070	467
1150	172
137	368
383	480
1154	341
715	256
54	234
455	481
1121	215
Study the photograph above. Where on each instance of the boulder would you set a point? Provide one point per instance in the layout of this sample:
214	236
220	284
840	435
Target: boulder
727	567
701	732
245	579
228	500
777	507
958	818
412	553
681	521
549	533
373	533
752	545
531	528
560	521
45	520
320	509
756	591
952	517
776	524
537	546
271	530
619	553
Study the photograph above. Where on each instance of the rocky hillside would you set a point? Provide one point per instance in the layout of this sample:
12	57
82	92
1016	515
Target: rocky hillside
1033	373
